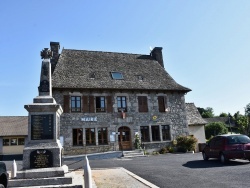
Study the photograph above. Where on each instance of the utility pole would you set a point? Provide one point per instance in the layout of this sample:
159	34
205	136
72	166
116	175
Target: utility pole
229	116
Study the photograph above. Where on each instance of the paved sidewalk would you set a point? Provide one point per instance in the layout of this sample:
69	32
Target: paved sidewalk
118	178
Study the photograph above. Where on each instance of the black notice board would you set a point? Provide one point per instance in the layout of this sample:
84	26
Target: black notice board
42	127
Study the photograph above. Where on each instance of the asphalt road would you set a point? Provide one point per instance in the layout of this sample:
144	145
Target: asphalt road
178	170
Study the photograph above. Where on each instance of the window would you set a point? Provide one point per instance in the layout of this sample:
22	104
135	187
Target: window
75	104
143	103
145	134
100	104
165	132
20	141
90	136
6	141
122	104
102	136
117	75
162	103
13	141
77	137
155	133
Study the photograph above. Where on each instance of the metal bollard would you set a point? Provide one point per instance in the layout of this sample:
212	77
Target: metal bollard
87	174
13	169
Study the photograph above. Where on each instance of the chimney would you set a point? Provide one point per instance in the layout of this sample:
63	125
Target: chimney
156	53
54	47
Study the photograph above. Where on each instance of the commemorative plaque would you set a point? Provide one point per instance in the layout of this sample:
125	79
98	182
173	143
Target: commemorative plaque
42	127
41	158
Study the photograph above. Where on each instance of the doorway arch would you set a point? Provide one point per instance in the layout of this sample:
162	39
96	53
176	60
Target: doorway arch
124	138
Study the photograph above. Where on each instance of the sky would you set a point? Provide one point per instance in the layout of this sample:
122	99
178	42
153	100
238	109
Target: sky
206	43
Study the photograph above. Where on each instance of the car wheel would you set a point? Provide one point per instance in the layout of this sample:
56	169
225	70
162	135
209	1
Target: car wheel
2	186
205	157
223	159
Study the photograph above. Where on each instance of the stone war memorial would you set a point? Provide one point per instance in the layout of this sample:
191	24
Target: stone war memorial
43	149
42	154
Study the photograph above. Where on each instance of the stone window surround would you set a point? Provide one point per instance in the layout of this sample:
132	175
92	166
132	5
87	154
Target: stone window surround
121	103
96	137
91	139
102	107
78	94
160	129
76	107
103	133
76	130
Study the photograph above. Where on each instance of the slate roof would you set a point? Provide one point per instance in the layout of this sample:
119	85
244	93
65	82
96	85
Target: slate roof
13	125
193	115
76	67
221	119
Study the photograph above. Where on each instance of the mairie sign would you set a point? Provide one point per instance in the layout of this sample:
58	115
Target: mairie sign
89	119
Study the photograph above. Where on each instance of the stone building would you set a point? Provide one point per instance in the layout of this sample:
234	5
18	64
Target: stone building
109	97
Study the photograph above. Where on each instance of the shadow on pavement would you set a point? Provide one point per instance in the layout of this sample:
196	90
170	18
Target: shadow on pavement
213	163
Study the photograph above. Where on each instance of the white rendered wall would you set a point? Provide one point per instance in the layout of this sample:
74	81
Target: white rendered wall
199	132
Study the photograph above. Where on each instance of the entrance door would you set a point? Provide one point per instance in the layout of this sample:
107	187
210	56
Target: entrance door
124	138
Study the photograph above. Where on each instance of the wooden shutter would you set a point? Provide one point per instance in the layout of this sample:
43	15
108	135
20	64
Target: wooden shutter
161	103
143	103
85	105
91	104
165	102
109	104
66	103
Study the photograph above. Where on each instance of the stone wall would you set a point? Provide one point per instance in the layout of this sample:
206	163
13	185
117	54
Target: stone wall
175	117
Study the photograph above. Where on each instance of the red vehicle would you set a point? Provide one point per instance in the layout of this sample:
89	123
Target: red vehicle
228	146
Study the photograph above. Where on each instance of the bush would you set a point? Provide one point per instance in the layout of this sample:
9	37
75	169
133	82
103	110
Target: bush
186	143
155	153
170	149
216	128
137	143
163	150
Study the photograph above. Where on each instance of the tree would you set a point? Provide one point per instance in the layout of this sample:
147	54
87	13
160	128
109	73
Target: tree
213	129
247	114
236	115
242	123
223	114
201	110
247	110
206	113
